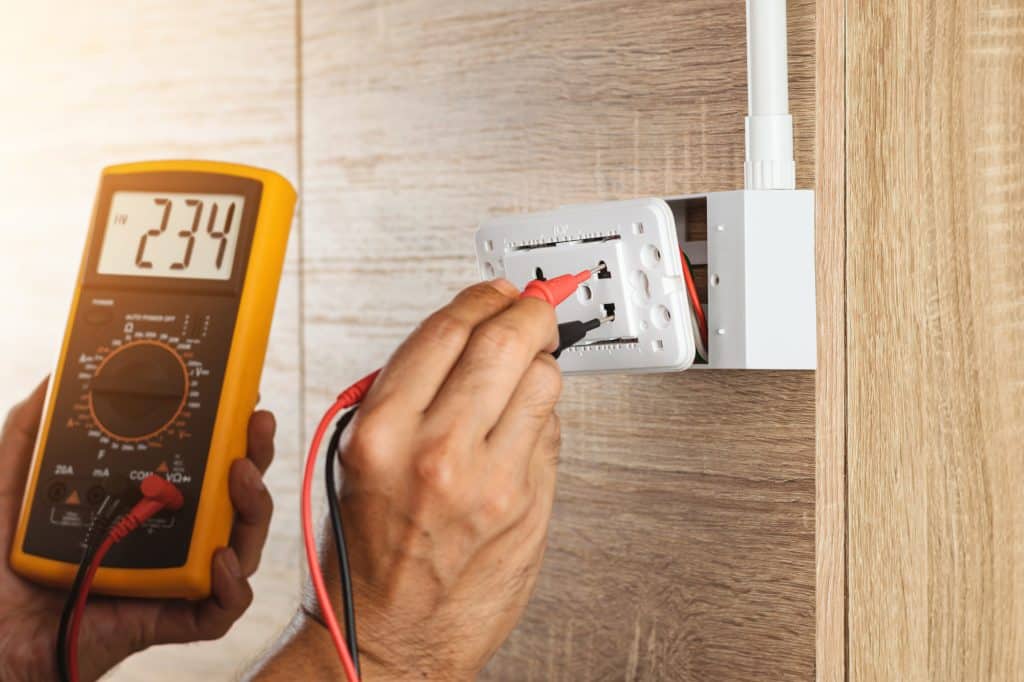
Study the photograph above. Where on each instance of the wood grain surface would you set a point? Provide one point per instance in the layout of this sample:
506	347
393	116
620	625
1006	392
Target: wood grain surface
683	542
935	202
830	406
90	84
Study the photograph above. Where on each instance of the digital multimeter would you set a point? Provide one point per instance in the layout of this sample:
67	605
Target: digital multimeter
158	372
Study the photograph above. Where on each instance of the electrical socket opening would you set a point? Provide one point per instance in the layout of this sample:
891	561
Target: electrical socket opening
605	273
598	297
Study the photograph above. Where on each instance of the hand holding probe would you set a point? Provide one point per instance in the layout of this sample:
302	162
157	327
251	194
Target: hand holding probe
553	292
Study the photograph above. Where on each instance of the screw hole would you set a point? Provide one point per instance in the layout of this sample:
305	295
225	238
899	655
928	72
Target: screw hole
661	317
650	255
715	280
584	293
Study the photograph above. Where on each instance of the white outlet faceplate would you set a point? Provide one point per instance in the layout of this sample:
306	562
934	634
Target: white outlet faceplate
637	242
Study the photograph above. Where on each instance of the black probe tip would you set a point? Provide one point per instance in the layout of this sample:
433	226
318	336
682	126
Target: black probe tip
571	333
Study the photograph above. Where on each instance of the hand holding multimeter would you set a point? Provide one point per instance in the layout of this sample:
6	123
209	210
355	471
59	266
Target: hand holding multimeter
139	484
115	629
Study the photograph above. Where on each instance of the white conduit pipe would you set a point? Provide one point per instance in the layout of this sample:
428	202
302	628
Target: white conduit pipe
769	127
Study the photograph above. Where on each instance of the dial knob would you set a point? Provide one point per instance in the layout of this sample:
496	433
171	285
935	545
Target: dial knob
138	390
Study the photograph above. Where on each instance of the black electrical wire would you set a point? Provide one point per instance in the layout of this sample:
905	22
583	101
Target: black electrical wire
334	508
98	528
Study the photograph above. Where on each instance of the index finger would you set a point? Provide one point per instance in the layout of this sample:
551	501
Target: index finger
418	368
262	427
496	357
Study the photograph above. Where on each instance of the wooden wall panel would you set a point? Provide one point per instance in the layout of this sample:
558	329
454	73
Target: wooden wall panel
830	406
683	543
84	85
935	200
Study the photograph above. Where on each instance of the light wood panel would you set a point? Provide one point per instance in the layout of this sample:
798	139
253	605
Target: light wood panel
89	84
830	405
935	200
683	542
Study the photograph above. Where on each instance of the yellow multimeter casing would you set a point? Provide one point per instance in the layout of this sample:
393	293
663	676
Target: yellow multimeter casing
159	371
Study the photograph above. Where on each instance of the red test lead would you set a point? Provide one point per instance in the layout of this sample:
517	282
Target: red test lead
157	494
556	290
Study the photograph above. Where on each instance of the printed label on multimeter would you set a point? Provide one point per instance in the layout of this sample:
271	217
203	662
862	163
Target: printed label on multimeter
145	358
138	395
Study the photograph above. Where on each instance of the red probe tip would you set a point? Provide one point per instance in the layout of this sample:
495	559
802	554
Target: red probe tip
554	291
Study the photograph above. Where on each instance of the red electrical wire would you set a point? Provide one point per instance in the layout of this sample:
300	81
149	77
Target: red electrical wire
83	595
691	288
348	398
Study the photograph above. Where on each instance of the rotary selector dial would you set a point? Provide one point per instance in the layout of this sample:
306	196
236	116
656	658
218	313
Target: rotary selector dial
138	391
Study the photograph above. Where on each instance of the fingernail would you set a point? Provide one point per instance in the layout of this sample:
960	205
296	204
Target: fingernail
505	285
266	421
230	561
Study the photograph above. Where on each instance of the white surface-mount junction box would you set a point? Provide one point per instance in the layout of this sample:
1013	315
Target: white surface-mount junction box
754	248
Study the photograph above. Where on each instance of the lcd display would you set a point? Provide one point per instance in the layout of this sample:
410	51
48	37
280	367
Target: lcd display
171	234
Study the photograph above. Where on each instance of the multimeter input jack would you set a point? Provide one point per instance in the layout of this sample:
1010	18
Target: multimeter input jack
57	491
95	495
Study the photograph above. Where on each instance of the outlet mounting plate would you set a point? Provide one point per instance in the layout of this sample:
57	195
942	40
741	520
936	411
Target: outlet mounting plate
637	241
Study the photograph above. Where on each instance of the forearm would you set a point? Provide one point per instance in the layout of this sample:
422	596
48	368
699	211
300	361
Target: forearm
305	652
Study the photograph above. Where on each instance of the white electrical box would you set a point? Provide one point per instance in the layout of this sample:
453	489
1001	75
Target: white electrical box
753	250
761	294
